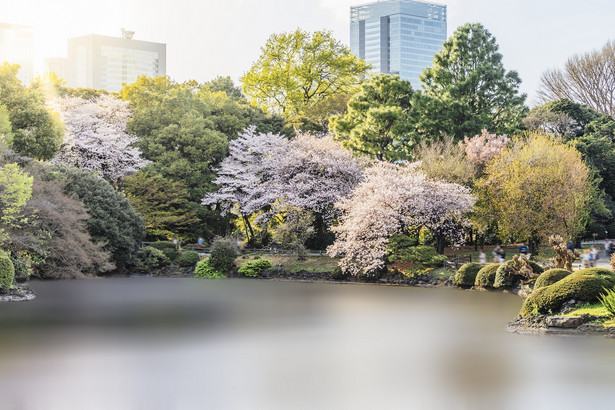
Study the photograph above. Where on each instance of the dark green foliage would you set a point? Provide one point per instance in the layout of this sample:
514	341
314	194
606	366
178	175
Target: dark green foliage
504	280
254	269
608	300
168	248
150	259
379	121
22	266
549	277
204	270
339	274
112	220
586	285
486	276
163	203
36	131
405	248
188	259
466	275
7	272
223	254
467	89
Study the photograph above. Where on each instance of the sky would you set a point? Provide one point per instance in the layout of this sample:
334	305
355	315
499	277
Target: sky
206	38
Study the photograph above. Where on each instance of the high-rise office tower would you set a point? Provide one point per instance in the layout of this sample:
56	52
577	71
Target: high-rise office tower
398	36
103	62
17	47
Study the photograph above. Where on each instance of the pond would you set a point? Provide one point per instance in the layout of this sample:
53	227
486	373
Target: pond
143	343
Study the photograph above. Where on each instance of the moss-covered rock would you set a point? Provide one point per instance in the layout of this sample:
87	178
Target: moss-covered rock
504	280
549	277
466	275
486	276
585	284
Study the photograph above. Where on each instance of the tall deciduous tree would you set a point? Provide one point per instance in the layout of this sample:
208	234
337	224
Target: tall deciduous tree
394	199
586	78
535	188
15	191
299	71
36	131
379	120
468	89
96	138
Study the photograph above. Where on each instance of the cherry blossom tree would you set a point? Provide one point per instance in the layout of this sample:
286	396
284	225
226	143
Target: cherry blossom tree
394	199
264	172
245	177
315	172
96	137
481	149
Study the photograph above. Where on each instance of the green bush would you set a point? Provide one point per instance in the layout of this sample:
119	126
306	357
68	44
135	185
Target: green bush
551	276
486	276
608	300
223	254
188	259
7	272
23	267
150	259
204	270
168	248
586	285
254	269
405	248
338	274
466	275
504	280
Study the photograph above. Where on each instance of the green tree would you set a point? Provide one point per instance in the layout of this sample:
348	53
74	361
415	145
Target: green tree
36	131
112	220
379	120
299	73
15	191
163	203
467	88
536	188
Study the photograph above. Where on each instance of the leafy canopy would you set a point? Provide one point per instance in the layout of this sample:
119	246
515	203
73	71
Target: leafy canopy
468	89
297	73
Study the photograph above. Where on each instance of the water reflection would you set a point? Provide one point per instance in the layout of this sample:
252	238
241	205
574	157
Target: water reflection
193	344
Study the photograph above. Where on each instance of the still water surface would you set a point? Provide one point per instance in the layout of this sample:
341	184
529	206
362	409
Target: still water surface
245	344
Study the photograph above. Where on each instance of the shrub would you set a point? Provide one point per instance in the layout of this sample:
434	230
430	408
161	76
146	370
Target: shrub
405	248
585	284
608	300
150	259
168	248
338	274
504	280
466	275
551	276
486	276
7	272
223	254
22	266
254	269
204	270
188	259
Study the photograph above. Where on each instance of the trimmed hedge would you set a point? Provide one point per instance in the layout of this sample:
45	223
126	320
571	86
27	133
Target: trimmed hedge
466	275
549	277
254	269
168	248
486	276
188	259
586	285
204	270
7	272
503	280
150	259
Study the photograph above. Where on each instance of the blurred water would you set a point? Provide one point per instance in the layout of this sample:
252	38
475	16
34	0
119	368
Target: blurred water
146	343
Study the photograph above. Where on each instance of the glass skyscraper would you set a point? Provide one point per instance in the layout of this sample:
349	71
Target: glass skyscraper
398	36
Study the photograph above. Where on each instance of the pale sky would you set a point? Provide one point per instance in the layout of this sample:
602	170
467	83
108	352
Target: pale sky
208	38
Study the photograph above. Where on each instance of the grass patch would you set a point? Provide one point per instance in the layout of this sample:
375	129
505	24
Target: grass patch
442	273
595	309
291	264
